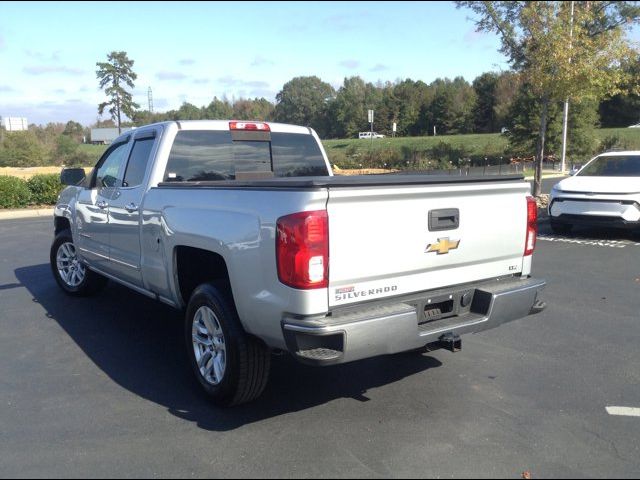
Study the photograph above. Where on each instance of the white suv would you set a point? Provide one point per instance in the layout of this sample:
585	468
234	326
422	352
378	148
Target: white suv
370	135
606	191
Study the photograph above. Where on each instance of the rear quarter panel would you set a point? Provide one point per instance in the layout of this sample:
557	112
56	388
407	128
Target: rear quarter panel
240	226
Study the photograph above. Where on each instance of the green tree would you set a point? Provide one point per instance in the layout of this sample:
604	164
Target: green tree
65	146
256	109
188	111
349	109
305	101
74	130
412	97
21	149
524	118
218	110
623	109
484	111
507	86
115	75
387	110
451	108
559	54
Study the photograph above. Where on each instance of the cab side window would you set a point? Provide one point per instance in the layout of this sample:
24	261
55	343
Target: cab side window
109	166
138	160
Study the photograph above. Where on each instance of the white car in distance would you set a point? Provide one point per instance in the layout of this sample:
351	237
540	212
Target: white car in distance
362	135
605	192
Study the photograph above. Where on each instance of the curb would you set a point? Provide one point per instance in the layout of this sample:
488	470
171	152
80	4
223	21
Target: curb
544	177
26	213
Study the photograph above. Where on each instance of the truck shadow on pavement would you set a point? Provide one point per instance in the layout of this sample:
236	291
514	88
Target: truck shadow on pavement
139	344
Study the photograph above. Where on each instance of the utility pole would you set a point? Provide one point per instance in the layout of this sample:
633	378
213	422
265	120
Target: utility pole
566	105
150	99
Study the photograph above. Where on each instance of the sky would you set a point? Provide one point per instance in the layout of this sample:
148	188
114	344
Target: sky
193	51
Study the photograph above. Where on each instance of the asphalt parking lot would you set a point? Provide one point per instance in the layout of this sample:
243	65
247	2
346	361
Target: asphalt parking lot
100	387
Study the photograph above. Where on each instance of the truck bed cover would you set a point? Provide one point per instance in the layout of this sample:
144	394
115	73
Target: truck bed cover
344	181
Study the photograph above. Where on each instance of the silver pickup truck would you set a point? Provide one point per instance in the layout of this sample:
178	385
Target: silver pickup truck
243	227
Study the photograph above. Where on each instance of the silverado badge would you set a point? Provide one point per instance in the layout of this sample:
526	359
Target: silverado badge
443	246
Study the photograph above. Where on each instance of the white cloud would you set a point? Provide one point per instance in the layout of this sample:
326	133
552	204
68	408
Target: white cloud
51	111
46	69
164	75
260	61
379	68
350	64
230	81
45	57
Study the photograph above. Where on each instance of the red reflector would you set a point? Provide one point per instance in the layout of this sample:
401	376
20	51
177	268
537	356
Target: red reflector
302	250
259	126
532	226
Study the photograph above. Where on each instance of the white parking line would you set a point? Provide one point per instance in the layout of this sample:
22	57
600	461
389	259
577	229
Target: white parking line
586	241
623	411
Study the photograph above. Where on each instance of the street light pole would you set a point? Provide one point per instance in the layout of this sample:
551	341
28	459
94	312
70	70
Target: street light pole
566	106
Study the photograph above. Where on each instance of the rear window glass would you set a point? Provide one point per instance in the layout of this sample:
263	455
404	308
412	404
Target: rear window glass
613	166
214	155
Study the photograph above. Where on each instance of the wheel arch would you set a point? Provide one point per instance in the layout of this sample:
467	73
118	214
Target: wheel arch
60	224
194	266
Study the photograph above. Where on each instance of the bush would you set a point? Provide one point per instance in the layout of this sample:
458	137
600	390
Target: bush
44	189
612	142
21	149
79	159
14	192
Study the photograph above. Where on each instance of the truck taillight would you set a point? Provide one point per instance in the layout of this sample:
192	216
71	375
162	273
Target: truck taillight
532	226
256	126
302	250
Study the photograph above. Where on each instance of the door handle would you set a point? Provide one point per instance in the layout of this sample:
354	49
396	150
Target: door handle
444	219
102	204
132	207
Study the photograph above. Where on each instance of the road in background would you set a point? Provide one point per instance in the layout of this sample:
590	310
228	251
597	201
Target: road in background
100	387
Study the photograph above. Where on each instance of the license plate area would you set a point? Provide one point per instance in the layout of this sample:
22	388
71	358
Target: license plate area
448	305
436	311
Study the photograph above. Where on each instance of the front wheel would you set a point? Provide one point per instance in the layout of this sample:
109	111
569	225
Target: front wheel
70	273
230	366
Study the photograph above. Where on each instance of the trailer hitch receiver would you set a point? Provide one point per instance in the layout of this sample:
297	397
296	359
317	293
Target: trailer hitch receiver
451	341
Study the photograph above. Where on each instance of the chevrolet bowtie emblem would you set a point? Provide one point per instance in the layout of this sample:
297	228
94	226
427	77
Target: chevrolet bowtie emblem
443	246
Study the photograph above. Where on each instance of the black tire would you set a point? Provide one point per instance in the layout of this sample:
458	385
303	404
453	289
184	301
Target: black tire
246	360
560	228
91	282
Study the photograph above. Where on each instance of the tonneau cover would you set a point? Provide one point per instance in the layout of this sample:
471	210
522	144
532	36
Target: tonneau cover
340	181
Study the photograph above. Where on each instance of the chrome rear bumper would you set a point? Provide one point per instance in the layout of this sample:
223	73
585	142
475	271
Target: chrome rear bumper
410	322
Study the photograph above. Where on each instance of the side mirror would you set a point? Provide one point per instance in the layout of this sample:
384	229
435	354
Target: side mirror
72	176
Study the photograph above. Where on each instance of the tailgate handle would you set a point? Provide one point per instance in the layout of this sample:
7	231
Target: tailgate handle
445	219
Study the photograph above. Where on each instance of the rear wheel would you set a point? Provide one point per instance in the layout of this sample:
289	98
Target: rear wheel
230	366
70	273
560	228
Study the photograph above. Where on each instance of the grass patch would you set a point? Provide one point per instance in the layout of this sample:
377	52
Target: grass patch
401	152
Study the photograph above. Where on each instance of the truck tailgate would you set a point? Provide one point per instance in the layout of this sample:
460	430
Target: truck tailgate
381	243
